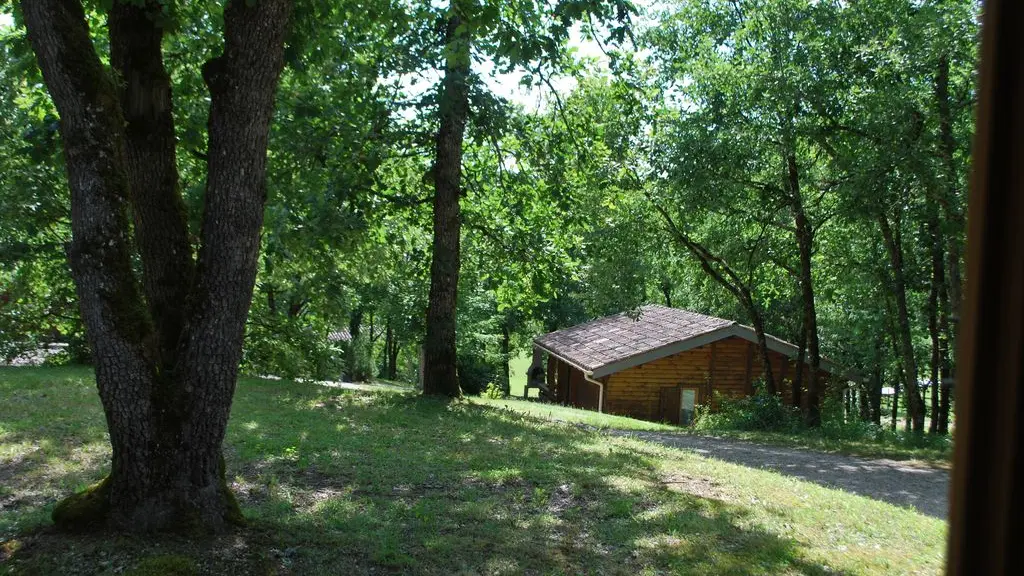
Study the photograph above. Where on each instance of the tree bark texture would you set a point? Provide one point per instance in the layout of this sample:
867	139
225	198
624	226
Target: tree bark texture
161	230
440	376
166	355
904	341
805	242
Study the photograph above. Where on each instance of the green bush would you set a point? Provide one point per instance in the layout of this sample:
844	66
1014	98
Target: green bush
761	411
766	413
475	372
493	391
290	348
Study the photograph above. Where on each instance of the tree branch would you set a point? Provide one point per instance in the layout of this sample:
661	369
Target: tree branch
161	227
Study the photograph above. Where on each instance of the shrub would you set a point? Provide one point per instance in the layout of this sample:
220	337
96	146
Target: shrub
493	391
290	348
475	372
761	411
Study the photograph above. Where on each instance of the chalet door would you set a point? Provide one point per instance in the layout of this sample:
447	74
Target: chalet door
669	405
678	404
687	405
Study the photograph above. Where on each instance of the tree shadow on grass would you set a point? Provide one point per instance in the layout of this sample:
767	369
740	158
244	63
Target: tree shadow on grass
53	440
342	483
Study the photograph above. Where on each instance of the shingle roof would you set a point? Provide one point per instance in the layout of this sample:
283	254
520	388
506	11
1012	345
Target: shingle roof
341	335
612	339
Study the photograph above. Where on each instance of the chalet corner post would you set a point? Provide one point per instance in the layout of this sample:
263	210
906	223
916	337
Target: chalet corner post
166	352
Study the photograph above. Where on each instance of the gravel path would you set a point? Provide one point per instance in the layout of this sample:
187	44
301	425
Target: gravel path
892	481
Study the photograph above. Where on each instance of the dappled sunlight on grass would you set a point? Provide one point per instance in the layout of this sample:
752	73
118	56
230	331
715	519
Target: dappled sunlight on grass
54	441
352	482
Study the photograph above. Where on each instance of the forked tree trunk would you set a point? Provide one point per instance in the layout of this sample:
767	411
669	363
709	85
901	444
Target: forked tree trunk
439	376
165	365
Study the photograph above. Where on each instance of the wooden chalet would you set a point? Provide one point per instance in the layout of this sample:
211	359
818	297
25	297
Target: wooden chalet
660	364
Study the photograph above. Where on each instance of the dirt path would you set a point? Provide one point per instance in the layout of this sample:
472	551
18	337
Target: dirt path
892	481
366	386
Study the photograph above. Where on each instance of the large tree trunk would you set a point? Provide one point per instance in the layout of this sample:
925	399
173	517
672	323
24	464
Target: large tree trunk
165	369
805	242
439	376
905	345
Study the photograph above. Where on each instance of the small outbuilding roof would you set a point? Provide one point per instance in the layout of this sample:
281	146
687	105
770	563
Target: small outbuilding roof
614	343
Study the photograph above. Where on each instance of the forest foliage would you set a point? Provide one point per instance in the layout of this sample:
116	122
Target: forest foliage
795	163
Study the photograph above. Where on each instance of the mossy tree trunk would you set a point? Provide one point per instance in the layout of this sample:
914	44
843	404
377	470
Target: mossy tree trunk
166	348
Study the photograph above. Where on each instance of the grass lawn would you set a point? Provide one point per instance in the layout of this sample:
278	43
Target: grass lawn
517	368
558	413
343	482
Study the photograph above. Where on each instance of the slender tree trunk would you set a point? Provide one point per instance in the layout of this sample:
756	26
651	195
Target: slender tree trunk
506	346
896	390
762	343
393	358
720	271
440	377
934	311
915	404
864	400
953	215
951	294
945	371
805	242
355	327
801	359
877	380
387	349
165	365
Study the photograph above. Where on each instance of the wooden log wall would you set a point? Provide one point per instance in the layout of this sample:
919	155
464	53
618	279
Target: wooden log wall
727	367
